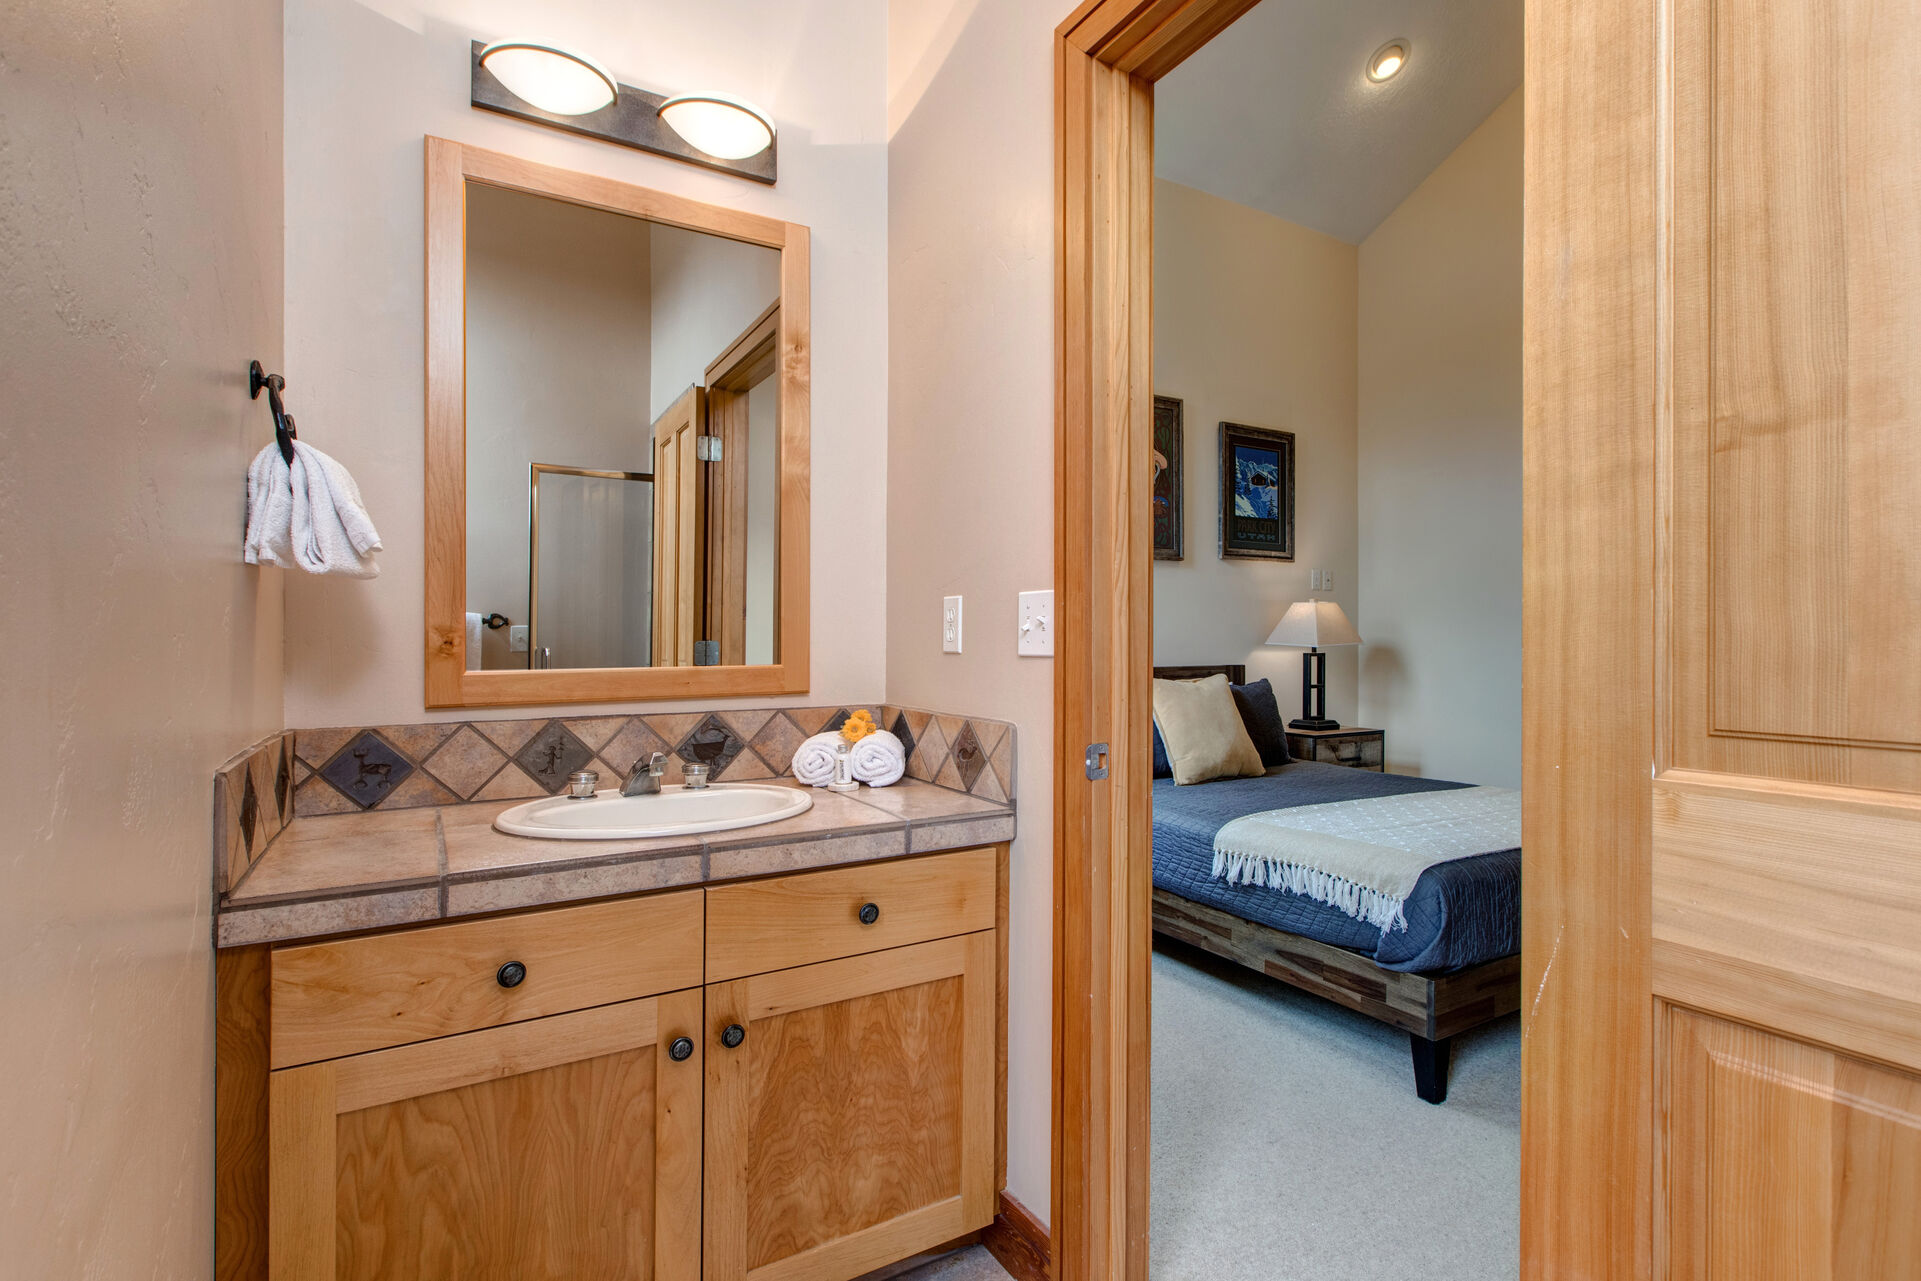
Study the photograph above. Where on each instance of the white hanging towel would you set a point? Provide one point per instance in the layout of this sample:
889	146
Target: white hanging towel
269	510
332	533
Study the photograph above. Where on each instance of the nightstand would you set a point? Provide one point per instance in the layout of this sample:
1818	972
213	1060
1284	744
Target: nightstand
1360	748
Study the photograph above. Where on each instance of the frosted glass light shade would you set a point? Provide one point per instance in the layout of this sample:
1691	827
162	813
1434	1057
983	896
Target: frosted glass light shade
1313	624
725	127
551	79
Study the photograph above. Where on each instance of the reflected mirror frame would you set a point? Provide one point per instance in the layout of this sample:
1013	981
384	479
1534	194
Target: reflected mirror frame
534	472
449	167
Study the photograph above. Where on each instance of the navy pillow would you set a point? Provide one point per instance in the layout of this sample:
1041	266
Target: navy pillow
1161	767
1262	716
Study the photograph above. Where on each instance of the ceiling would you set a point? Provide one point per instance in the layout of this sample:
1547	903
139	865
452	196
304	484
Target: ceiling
1277	112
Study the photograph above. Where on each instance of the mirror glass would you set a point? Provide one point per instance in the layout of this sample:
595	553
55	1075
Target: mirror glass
622	433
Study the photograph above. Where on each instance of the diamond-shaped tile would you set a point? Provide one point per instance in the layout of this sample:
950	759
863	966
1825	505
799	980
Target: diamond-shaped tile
777	742
367	769
465	761
748	723
901	731
318	796
417	741
712	743
1001	757
509	736
283	782
635	742
552	754
511	784
422	789
835	719
929	754
597	730
968	757
249	814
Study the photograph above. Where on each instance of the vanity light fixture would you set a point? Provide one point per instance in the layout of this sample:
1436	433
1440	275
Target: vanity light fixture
552	79
719	125
1387	61
549	86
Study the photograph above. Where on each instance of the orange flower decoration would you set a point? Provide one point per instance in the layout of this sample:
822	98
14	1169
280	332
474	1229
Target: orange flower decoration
858	726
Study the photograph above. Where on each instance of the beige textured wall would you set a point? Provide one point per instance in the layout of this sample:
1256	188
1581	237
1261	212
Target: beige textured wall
970	465
365	82
1254	324
140	205
1440	485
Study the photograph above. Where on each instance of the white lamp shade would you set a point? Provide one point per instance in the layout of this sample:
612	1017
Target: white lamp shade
724	127
552	79
1313	624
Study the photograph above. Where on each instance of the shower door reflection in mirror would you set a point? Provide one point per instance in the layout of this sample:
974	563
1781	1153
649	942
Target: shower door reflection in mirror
622	438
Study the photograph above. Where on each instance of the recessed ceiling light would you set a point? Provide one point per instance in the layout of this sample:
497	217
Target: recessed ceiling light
1387	61
719	125
552	79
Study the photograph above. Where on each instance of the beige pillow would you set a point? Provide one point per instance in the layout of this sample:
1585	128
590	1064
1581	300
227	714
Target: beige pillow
1203	731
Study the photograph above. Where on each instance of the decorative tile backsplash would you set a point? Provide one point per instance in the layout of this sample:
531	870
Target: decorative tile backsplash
350	769
340	771
253	799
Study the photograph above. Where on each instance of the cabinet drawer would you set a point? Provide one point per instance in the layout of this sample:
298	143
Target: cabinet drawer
1361	753
816	916
355	995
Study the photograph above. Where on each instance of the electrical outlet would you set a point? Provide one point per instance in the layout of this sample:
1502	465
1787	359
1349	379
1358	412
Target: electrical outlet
950	625
1037	623
517	639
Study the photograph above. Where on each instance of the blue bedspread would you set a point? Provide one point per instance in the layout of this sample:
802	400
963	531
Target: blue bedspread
1461	912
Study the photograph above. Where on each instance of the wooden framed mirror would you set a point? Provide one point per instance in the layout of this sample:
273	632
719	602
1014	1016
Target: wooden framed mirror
582	330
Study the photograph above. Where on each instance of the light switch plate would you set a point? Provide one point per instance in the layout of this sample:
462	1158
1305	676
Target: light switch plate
1037	624
950	625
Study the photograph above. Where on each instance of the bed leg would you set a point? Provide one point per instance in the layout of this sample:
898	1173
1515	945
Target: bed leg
1430	1067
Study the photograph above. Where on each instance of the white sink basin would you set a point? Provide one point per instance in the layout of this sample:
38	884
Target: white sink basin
673	811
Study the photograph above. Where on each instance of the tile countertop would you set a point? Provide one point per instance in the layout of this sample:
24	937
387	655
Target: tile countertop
345	872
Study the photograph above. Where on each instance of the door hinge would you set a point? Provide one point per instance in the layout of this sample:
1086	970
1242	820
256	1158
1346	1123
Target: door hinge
1096	762
707	449
706	653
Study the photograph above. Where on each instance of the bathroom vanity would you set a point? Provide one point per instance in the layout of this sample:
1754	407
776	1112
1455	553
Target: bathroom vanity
795	1075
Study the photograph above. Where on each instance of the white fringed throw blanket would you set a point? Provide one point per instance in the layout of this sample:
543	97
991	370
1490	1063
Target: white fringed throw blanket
1363	857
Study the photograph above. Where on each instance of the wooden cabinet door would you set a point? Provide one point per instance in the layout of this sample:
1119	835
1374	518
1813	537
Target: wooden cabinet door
1722	822
853	1122
555	1149
679	526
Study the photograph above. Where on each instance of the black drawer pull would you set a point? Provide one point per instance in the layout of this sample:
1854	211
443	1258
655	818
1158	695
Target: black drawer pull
680	1049
733	1035
510	974
869	913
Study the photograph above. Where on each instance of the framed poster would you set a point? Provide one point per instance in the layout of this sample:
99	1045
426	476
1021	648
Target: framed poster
1257	493
1169	479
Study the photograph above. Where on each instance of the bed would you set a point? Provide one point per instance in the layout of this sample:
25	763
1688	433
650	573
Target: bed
1455	966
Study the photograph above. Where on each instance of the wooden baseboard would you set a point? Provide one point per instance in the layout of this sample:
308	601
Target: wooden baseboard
1019	1243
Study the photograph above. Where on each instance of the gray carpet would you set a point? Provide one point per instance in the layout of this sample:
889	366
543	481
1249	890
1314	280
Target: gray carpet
1289	1144
972	1264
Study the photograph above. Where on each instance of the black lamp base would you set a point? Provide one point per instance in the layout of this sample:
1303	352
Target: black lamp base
1313	723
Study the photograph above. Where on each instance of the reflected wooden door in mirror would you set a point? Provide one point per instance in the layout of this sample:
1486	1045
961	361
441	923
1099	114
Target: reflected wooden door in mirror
617	440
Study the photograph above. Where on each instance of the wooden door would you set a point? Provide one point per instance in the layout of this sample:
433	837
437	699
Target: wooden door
1722	1001
557	1148
679	521
853	1122
747	361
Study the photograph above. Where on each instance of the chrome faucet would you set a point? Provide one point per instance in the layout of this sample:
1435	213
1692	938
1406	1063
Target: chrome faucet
644	778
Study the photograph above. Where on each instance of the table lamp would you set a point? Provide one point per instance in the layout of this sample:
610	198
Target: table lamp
1310	625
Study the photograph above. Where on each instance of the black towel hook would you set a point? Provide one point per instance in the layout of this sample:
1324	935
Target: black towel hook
283	425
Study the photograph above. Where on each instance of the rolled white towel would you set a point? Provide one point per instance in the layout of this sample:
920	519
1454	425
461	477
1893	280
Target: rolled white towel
814	760
331	531
879	759
269	538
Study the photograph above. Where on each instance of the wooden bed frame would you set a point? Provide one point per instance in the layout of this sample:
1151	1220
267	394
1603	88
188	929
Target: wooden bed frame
1431	1009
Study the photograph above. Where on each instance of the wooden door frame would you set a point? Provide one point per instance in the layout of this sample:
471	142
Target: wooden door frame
1596	109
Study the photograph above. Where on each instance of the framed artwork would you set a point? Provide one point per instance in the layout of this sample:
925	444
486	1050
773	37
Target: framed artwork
1169	479
1257	493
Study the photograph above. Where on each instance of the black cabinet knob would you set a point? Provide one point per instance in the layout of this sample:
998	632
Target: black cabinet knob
869	913
680	1049
510	974
733	1035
